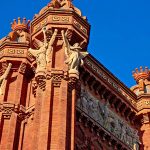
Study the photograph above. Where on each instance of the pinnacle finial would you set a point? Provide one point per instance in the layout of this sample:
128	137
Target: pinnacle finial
142	73
20	24
61	3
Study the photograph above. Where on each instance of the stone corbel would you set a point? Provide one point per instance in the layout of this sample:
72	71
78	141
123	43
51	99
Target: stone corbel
57	76
119	105
7	110
41	80
73	79
34	87
22	68
145	119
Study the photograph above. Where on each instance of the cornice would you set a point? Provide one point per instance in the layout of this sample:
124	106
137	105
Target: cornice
103	74
63	11
120	83
14	44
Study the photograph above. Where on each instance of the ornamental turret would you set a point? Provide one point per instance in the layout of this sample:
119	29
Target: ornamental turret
142	90
20	24
142	78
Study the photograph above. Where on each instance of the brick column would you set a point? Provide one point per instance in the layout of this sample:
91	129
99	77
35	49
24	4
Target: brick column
63	99
46	108
8	135
37	115
145	132
73	118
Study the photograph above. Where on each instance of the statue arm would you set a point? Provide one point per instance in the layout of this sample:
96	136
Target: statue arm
66	43
53	37
4	76
44	32
34	52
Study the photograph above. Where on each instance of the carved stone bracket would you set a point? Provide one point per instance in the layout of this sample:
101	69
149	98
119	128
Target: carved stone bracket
22	68
8	108
73	79
57	76
34	87
145	119
41	80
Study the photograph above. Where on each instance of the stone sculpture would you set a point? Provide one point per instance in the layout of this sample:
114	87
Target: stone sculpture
64	4
111	122
73	53
4	77
135	145
23	36
42	54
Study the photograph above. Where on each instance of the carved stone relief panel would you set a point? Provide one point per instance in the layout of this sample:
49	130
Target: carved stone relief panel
103	115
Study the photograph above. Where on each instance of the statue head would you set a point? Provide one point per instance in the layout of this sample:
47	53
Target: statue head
76	46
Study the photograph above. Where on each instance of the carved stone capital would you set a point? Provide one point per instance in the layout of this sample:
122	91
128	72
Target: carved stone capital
41	80
34	87
145	119
8	108
73	78
22	68
57	76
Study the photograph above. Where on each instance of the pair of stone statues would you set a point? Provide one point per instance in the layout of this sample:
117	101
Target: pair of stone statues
42	55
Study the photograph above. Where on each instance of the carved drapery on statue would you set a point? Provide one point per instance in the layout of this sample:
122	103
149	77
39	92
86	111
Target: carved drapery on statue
73	54
42	54
3	78
102	114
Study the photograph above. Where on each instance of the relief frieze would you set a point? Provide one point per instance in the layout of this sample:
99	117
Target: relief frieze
109	120
41	24
52	19
13	52
60	18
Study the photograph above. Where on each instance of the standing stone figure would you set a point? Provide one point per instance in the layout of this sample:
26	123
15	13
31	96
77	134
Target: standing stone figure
42	54
84	101
135	145
123	133
3	78
73	53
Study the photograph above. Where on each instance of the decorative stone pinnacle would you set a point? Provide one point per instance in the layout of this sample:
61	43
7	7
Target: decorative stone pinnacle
20	24
61	3
141	73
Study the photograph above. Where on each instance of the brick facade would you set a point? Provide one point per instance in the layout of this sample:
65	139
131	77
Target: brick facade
59	108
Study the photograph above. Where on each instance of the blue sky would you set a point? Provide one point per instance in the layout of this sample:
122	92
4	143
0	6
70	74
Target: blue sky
120	30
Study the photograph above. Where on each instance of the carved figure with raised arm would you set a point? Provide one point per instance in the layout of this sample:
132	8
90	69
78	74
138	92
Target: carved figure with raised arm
43	53
4	77
73	53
